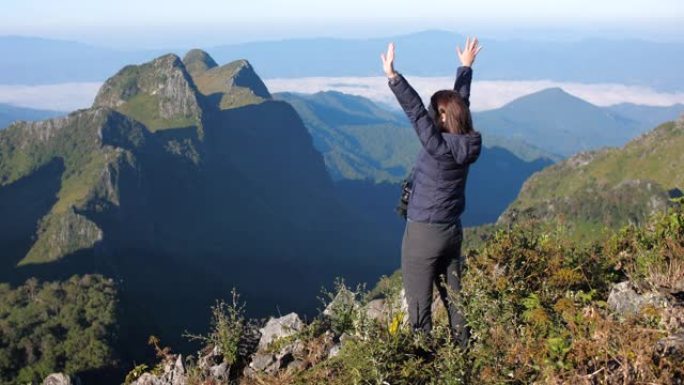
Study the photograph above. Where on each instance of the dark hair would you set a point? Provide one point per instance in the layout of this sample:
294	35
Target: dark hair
457	113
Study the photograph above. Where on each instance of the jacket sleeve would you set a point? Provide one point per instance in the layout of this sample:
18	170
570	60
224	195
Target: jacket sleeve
464	76
428	133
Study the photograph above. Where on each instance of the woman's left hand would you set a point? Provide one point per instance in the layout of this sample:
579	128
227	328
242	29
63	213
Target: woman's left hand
388	61
467	56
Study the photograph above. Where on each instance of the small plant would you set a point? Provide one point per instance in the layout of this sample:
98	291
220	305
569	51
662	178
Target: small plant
135	373
228	329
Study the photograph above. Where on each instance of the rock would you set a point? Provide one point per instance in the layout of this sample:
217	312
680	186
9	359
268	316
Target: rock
343	301
220	371
624	300
672	319
57	379
262	361
147	379
278	328
284	358
377	310
344	337
335	350
271	363
299	348
211	359
173	374
297	366
671	346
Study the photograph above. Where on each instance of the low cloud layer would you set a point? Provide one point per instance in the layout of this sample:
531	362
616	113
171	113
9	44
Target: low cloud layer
485	94
58	97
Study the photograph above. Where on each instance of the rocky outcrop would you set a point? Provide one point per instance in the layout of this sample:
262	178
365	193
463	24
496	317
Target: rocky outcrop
160	94
60	379
233	85
197	62
624	300
173	373
282	327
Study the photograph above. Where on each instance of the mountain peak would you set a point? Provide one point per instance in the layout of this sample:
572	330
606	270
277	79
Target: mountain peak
198	61
160	94
232	85
556	93
554	99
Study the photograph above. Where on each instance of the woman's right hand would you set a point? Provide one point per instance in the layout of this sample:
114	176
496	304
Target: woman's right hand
388	61
467	56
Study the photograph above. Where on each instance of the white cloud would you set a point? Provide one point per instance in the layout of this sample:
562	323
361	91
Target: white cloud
485	94
58	97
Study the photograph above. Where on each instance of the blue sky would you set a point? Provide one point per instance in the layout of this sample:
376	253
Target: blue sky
160	22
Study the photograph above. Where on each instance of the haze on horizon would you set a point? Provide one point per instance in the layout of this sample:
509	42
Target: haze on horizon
172	23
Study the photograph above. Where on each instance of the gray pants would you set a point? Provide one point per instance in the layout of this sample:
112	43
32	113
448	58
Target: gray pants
431	252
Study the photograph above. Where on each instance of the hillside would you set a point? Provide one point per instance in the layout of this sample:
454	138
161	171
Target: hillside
369	149
10	113
541	309
647	116
358	138
608	188
183	174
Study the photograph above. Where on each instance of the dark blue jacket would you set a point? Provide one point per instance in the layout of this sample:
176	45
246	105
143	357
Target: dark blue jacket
441	170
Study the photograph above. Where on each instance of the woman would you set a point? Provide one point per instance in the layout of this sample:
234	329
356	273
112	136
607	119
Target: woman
431	247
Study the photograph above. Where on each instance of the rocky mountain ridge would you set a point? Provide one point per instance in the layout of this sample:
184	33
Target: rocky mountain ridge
202	181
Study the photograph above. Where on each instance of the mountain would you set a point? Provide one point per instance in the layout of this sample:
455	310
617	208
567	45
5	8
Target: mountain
558	122
9	114
369	149
431	53
427	53
358	138
183	179
647	117
607	188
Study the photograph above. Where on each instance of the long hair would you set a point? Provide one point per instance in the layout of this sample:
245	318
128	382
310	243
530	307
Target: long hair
456	112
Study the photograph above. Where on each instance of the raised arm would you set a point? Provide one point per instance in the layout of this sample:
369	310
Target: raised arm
464	74
428	133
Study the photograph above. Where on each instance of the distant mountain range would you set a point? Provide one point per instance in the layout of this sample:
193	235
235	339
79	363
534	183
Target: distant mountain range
564	124
428	53
9	114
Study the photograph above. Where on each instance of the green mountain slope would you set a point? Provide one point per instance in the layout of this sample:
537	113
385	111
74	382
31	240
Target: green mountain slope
358	138
369	149
608	188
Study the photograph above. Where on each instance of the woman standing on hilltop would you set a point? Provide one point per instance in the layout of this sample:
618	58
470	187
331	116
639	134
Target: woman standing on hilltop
431	246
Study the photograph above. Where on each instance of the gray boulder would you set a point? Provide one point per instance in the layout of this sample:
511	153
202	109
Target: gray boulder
672	346
345	300
624	300
59	379
377	309
278	328
174	373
